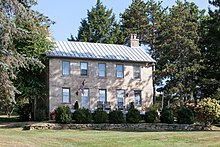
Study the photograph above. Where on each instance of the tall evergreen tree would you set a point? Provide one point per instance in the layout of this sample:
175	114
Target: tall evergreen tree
177	51
210	42
18	22
99	26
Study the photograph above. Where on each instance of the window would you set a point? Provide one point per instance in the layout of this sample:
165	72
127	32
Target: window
85	98
137	97
102	70
119	71
66	68
137	72
120	96
66	95
102	95
84	69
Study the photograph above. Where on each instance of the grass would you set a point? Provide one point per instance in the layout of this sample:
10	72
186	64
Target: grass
93	138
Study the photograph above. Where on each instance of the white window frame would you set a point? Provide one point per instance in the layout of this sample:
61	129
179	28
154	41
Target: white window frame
102	70
137	71
105	96
83	69
64	100
120	96
65	64
136	101
118	72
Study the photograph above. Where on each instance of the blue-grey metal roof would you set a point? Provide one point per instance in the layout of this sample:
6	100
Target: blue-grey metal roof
99	51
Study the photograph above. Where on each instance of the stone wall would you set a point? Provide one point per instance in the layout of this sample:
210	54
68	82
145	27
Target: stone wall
94	83
129	127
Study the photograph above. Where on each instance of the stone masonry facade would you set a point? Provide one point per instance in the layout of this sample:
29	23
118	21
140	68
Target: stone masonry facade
93	82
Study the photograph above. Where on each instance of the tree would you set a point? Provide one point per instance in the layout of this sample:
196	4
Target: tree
210	44
207	110
177	50
99	26
16	32
134	20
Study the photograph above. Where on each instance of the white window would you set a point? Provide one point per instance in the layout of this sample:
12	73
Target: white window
119	71
137	97
85	99
102	70
66	68
137	72
120	96
84	69
66	95
102	95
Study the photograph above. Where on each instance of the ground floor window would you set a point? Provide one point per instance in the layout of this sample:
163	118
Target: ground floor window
102	95
65	95
137	97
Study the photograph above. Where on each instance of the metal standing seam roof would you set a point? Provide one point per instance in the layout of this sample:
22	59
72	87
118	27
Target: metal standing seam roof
99	51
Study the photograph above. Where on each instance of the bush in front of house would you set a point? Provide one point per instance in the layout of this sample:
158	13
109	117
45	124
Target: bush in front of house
24	111
167	116
63	115
41	114
184	115
150	116
82	116
133	116
116	117
100	116
207	110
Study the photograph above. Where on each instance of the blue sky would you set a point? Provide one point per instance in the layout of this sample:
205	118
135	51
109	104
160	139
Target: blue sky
68	13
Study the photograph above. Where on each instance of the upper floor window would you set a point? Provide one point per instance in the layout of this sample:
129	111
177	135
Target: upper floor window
102	70
66	68
119	71
137	97
137	72
66	95
102	95
84	69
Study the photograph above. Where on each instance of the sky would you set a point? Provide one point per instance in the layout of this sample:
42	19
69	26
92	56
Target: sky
68	14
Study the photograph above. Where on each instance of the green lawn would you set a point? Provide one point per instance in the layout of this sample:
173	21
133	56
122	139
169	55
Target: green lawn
18	137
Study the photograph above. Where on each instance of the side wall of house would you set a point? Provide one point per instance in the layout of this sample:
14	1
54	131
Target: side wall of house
94	83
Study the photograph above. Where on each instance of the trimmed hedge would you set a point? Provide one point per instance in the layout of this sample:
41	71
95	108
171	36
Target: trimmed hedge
150	116
100	116
185	116
82	116
133	116
116	117
167	116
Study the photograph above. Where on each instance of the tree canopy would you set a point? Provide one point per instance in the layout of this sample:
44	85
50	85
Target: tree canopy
23	33
99	26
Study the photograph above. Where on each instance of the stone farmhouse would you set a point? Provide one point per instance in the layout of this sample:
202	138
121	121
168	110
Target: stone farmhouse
103	76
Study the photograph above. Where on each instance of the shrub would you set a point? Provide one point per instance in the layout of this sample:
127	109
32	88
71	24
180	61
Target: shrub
167	116
100	116
116	117
207	110
63	115
185	115
41	114
24	111
150	116
82	116
133	116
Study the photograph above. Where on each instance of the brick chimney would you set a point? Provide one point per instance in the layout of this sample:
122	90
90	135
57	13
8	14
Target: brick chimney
134	42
